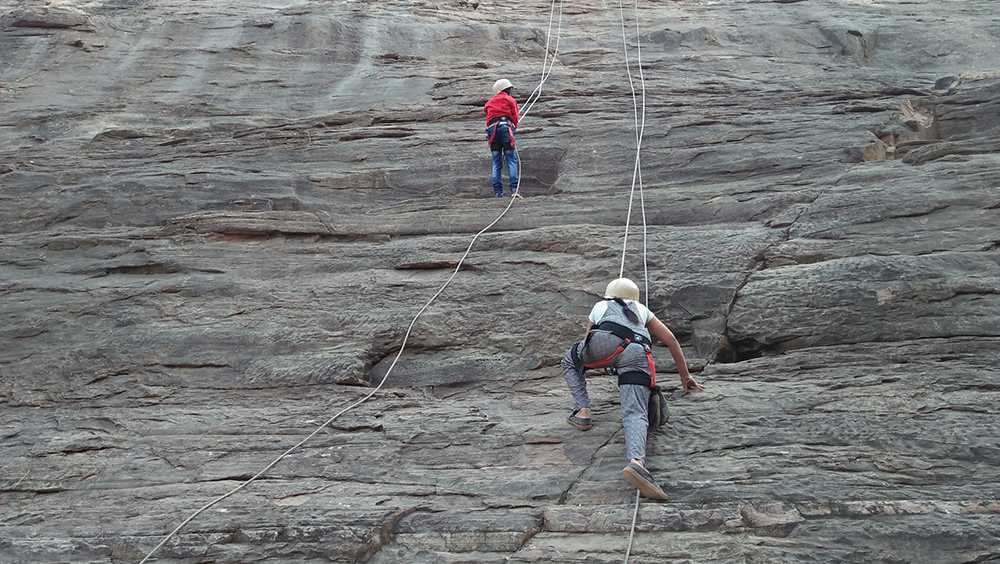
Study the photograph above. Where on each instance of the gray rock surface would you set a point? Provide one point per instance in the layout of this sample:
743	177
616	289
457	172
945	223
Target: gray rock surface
219	217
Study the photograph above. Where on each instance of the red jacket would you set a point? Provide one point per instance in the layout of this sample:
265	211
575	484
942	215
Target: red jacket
502	104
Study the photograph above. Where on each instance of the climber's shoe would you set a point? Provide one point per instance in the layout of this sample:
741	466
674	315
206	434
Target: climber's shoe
643	481
581	423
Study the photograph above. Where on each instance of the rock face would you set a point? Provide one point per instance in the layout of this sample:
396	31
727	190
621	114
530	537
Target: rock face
219	217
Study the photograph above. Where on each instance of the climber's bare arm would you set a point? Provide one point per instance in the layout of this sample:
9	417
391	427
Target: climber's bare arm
665	336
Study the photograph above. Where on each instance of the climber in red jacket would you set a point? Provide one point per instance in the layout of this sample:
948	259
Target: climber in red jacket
501	124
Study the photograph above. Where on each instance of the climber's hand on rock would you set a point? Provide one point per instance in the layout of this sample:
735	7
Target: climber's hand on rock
690	385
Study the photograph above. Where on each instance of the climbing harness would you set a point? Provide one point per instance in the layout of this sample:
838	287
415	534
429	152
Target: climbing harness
635	377
628	337
639	378
547	66
500	134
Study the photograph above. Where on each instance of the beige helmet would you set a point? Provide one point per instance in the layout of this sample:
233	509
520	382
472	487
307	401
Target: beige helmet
501	85
622	288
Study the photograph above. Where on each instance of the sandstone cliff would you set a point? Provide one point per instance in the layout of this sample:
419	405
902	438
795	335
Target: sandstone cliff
219	217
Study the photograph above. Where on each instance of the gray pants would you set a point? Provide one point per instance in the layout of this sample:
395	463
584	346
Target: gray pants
634	399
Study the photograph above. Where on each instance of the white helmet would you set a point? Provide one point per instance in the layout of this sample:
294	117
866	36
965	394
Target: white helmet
622	288
501	85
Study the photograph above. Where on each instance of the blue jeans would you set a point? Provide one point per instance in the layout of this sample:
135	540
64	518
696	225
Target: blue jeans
509	155
502	148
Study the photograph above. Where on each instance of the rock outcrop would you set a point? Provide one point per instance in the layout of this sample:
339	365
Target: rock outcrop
219	217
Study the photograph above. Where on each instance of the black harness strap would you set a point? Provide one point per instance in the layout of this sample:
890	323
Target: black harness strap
634	377
621	331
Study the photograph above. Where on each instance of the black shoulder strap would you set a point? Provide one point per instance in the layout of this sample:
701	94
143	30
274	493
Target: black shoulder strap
623	305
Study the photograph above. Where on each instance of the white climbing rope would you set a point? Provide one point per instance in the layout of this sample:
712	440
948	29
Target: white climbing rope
640	129
365	398
545	57
529	103
546	71
631	534
638	158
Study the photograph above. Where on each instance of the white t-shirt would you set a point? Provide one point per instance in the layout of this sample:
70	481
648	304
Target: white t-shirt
602	306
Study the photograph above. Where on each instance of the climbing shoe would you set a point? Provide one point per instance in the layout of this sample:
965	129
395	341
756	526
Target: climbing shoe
581	423
643	481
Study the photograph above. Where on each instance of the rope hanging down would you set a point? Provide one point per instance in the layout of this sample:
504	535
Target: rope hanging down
529	103
631	533
640	129
546	71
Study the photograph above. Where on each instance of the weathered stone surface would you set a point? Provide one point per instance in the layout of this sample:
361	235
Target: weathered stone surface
47	16
218	219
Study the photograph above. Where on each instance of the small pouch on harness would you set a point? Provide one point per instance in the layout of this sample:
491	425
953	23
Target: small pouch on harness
658	414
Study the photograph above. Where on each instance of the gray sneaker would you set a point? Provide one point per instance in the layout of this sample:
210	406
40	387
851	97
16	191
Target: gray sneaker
643	481
581	423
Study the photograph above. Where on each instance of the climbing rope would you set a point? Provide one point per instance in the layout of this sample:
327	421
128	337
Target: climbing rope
529	103
631	533
638	158
640	129
546	71
547	64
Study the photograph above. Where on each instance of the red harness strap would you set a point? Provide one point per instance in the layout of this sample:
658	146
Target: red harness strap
628	377
606	361
652	368
496	126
